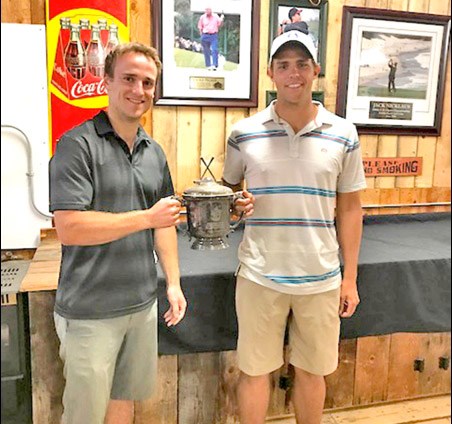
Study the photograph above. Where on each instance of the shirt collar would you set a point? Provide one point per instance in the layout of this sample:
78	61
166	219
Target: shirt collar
103	127
323	116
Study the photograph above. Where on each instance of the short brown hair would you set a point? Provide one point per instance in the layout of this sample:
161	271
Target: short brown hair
133	47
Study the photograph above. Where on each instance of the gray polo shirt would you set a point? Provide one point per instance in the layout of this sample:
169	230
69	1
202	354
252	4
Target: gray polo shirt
93	169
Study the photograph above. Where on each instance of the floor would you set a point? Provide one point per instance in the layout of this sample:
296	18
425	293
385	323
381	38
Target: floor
433	410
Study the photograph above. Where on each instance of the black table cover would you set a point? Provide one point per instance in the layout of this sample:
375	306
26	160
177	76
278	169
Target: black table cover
404	279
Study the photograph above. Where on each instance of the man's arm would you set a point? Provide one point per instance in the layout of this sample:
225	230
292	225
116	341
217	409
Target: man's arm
88	228
165	242
200	24
221	20
349	221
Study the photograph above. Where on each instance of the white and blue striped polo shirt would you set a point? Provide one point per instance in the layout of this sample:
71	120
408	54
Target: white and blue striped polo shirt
290	242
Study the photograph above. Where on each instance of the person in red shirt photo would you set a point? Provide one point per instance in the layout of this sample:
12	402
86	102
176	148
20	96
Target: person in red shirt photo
209	24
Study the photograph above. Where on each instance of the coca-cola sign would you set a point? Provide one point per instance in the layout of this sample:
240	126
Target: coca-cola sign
80	90
78	32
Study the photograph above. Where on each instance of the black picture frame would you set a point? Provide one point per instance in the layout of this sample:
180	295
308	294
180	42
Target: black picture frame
392	71
186	79
316	18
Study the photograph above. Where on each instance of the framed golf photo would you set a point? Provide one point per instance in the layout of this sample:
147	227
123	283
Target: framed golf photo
306	17
392	71
209	51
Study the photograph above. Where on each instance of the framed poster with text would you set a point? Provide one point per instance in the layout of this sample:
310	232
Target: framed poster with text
392	71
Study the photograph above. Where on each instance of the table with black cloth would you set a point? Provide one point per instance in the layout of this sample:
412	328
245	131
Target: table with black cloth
404	276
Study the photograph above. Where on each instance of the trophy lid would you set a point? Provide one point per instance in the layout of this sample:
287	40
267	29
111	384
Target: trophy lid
208	187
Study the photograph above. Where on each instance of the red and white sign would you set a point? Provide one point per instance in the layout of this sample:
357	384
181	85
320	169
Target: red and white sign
392	167
79	35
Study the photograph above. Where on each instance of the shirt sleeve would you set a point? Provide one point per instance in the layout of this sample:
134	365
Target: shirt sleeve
167	188
234	167
70	176
352	177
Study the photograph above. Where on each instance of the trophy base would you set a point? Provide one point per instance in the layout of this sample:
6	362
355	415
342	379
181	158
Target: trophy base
210	244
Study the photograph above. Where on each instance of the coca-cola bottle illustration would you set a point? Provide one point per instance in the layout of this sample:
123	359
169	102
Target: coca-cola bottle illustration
74	55
113	39
65	31
103	30
85	32
95	53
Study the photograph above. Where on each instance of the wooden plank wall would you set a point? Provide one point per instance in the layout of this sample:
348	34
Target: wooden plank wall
200	388
188	133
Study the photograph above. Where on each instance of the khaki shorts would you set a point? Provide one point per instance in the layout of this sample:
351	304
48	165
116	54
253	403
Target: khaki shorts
105	359
313	329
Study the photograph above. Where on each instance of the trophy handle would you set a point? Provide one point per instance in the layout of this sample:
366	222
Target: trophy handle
183	203
237	195
180	199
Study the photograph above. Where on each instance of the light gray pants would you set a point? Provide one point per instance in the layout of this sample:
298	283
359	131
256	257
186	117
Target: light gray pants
106	359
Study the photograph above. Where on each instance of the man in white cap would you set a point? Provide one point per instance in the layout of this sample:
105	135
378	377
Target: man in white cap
303	165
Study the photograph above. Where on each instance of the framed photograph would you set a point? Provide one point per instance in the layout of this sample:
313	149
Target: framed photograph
209	51
392	71
312	18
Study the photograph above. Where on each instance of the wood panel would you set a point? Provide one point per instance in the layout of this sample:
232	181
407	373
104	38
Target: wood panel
188	147
442	171
333	49
370	196
265	82
369	149
399	5
213	138
198	387
46	366
387	148
403	381
226	408
16	11
406	147
426	149
164	131
434	380
162	408
340	385
372	362
38	11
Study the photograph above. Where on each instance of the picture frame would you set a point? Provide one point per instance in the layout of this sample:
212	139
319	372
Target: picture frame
190	75
271	95
392	71
316	18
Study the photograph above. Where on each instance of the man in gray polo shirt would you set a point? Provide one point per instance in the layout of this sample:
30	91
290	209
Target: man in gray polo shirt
110	191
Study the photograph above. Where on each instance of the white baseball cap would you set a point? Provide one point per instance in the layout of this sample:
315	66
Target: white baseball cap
293	35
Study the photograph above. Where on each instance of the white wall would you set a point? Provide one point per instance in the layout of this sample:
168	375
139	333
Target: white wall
24	105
